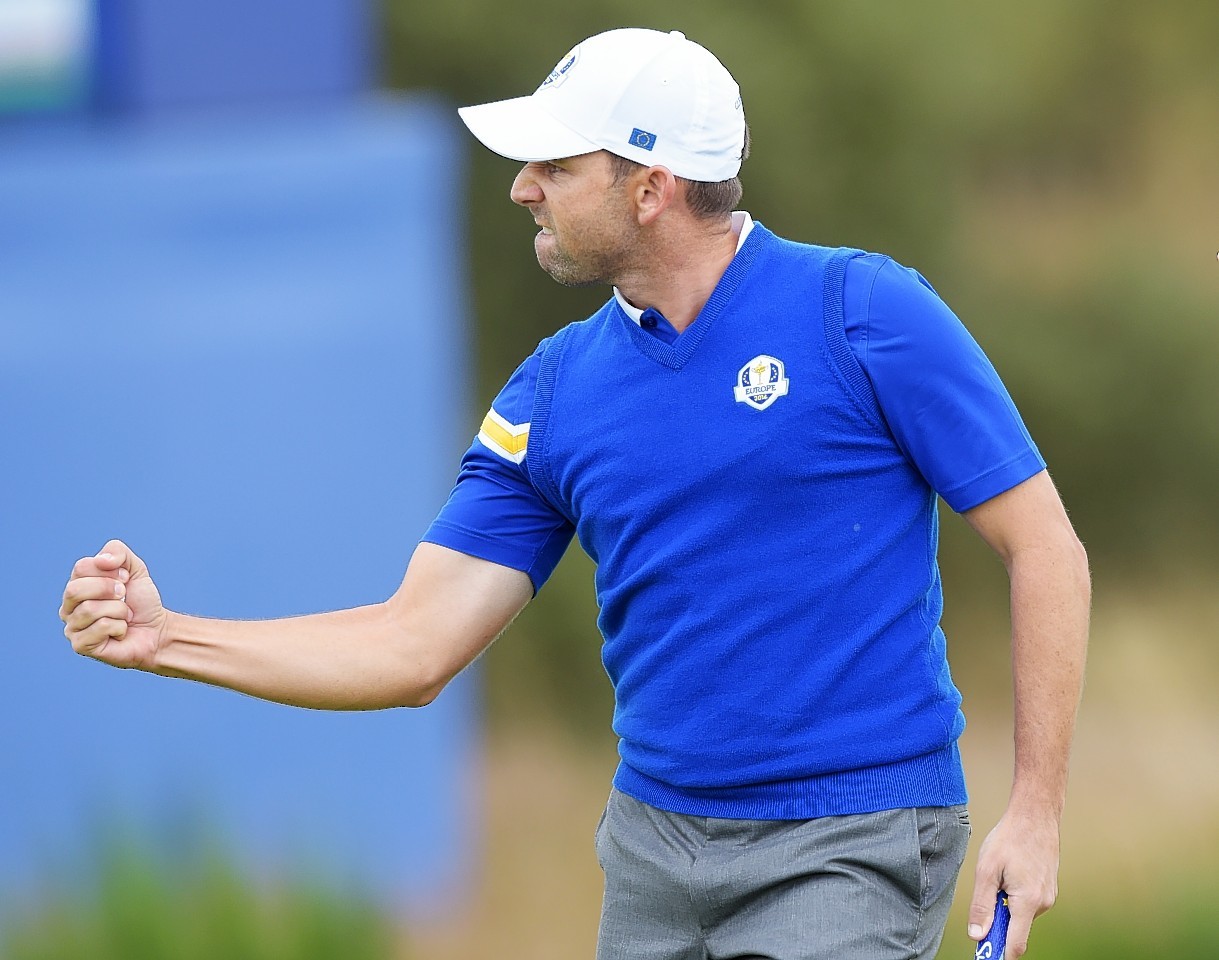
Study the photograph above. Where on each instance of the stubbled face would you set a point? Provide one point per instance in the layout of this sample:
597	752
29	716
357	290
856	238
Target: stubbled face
588	230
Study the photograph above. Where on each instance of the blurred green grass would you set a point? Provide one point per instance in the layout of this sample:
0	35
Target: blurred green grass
1184	925
138	906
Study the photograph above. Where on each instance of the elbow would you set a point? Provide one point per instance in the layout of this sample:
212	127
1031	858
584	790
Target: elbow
1079	564
420	694
422	679
1066	557
413	668
1066	554
423	669
1058	554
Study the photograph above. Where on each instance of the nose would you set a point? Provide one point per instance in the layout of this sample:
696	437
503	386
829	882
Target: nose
525	189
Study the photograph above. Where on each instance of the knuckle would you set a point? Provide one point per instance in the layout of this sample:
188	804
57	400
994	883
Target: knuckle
96	634
86	613
98	630
112	610
987	869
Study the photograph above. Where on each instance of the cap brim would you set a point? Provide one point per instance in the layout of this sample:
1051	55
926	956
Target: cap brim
519	129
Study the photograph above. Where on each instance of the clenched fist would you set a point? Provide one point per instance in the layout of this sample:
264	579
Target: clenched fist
112	611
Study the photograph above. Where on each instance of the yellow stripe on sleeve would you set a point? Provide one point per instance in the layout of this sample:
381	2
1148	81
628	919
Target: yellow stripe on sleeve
508	440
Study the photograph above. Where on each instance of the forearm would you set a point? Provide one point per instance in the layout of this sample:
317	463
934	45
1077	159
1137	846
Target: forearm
1050	600
358	659
1050	604
448	609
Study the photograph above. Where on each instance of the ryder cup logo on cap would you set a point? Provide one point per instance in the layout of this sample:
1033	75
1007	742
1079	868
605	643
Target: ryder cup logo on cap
559	73
652	97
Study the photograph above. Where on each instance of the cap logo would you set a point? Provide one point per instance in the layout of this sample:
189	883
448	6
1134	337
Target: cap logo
559	73
642	139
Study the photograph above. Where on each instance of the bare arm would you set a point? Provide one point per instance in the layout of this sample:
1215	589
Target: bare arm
402	652
1050	603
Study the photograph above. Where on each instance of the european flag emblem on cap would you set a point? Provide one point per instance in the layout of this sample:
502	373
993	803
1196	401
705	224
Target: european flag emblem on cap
642	139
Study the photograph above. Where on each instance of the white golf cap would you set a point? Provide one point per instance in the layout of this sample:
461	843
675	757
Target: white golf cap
652	97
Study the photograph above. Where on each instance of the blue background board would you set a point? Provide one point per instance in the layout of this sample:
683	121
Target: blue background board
239	344
158	54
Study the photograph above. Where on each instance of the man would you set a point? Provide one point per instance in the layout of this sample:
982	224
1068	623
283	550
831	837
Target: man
748	438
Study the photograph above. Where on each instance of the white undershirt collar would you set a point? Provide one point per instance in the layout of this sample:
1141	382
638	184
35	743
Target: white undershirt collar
742	223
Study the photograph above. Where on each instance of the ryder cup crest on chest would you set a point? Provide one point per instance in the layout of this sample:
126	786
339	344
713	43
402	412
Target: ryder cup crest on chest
761	382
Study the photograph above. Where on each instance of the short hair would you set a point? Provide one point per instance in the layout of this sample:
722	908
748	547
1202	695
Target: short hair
707	199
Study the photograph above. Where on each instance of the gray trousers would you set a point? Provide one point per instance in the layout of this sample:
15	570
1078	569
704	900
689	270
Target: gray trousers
867	887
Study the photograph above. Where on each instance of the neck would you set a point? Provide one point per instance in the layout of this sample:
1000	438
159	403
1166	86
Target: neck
681	271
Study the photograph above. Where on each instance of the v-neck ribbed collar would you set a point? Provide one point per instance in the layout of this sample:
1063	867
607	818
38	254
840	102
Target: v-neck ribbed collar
676	355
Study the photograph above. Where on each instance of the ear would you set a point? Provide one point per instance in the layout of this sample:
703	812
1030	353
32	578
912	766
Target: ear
654	190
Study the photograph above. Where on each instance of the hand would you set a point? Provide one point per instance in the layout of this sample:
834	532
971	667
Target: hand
1020	856
112	611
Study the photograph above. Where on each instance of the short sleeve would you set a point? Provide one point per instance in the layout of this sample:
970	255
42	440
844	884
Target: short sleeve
494	512
941	397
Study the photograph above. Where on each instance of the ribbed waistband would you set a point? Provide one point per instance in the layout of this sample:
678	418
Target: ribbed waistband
933	780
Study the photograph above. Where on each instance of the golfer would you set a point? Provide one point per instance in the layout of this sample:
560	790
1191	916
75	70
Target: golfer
749	438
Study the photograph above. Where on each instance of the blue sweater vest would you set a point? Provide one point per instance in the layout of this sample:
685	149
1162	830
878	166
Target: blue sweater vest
766	556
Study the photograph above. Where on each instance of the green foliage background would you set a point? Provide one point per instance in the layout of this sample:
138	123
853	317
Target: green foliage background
140	905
